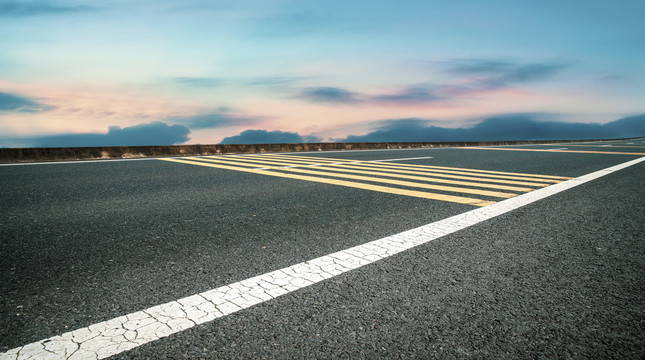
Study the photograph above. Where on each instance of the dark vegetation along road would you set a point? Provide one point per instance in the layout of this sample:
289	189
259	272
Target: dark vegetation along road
533	251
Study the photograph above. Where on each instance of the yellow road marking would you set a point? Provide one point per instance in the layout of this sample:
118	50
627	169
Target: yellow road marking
434	171
259	161
288	162
397	182
559	151
423	166
513	182
300	158
386	168
411	177
420	194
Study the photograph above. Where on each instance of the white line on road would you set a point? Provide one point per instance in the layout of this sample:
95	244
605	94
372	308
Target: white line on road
77	161
405	159
117	335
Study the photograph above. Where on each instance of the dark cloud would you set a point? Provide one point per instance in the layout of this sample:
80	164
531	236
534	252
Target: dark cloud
12	102
475	77
500	128
221	118
156	133
415	94
412	94
269	137
405	130
631	126
470	67
32	8
492	74
329	95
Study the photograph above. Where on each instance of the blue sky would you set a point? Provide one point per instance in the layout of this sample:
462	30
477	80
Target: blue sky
322	70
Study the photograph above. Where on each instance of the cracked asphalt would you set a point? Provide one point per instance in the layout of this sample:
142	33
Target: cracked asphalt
561	278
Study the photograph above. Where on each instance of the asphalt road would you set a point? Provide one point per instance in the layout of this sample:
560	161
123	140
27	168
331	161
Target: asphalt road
564	277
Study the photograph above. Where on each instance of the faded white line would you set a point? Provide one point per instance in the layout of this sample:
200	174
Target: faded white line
117	335
78	161
406	159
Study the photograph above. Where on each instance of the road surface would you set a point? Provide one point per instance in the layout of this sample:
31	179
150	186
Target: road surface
133	259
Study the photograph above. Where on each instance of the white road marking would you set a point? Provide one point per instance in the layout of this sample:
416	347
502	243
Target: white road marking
117	335
405	159
77	161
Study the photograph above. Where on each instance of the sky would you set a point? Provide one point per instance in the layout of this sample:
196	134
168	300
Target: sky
84	72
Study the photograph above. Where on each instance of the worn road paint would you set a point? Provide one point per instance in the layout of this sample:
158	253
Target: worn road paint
384	174
556	151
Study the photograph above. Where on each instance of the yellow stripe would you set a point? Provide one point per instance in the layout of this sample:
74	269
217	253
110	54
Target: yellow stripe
401	176
432	167
420	194
513	182
430	171
302	158
258	162
398	182
557	151
483	177
288	162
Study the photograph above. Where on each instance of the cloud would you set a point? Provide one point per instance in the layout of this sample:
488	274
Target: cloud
473	77
156	133
492	74
269	137
329	95
201	82
221	118
12	102
273	80
500	128
33	8
412	94
212	82
631	126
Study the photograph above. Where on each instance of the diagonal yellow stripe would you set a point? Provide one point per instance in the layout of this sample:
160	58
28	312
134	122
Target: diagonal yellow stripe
304	158
269	162
420	194
499	181
285	161
483	177
430	167
372	164
398	182
401	176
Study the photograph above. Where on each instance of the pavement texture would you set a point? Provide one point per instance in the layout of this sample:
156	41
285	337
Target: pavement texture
560	278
